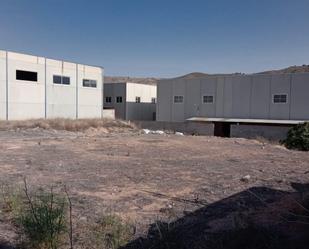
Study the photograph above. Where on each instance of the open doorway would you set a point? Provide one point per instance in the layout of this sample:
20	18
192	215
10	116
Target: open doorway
222	129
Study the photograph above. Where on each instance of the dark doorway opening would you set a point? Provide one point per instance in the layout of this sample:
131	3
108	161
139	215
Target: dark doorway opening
222	129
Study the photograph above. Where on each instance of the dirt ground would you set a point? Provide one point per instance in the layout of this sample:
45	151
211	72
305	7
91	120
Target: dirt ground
141	177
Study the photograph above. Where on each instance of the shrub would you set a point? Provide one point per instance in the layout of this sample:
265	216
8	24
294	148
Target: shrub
43	219
298	137
111	232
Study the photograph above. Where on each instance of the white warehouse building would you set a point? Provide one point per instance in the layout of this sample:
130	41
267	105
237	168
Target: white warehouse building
259	99
131	101
33	87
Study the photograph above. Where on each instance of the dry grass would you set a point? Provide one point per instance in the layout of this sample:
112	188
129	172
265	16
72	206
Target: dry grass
67	124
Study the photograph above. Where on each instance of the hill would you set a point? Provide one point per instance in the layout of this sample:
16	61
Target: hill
194	75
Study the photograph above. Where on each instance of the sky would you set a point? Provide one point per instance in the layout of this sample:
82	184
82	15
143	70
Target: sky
161	38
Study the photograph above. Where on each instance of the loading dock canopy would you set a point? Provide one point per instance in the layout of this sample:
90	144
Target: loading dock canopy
253	121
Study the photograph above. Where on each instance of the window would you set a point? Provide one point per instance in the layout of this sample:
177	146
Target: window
57	79
178	99
65	80
26	75
137	99
89	83
108	99
208	99
153	100
280	98
61	80
119	99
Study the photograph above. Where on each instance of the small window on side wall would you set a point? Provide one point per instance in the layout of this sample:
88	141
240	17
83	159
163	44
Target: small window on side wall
108	99
178	99
208	99
280	98
61	80
89	83
137	99
119	99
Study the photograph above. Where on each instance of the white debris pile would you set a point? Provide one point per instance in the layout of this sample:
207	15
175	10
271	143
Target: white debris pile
146	131
179	133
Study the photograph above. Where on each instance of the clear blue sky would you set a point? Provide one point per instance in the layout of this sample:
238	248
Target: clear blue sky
161	38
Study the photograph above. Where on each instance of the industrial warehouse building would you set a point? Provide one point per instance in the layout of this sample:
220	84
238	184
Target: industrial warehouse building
260	99
34	87
131	101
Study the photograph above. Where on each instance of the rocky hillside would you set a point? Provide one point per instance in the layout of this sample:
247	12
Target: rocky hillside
153	81
292	69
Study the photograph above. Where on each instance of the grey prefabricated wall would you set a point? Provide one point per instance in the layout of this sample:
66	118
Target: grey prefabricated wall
237	96
129	109
23	99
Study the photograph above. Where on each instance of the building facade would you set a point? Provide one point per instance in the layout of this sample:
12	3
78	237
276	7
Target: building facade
131	101
272	98
33	87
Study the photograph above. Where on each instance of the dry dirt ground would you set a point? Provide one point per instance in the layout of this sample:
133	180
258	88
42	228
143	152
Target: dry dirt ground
143	177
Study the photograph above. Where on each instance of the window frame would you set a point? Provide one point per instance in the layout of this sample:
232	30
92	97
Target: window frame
61	80
137	100
280	94
26	71
208	103
182	97
90	83
116	100
110	98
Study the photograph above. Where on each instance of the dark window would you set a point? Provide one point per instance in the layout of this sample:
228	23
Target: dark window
65	80
178	99
89	83
57	79
108	99
280	98
119	99
26	75
209	99
153	100
137	99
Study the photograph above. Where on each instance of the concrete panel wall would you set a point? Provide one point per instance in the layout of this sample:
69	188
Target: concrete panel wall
144	110
42	98
26	99
241	95
219	98
61	99
280	84
129	109
237	96
113	90
228	97
164	100
178	109
260	96
208	88
299	96
89	99
193	98
2	85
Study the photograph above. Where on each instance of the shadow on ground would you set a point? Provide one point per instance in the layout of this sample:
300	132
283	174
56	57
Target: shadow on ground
257	218
4	245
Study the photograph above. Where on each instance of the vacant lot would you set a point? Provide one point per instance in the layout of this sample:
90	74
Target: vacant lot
143	177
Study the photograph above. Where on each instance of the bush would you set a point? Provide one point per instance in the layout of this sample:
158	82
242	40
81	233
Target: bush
111	232
298	137
41	218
